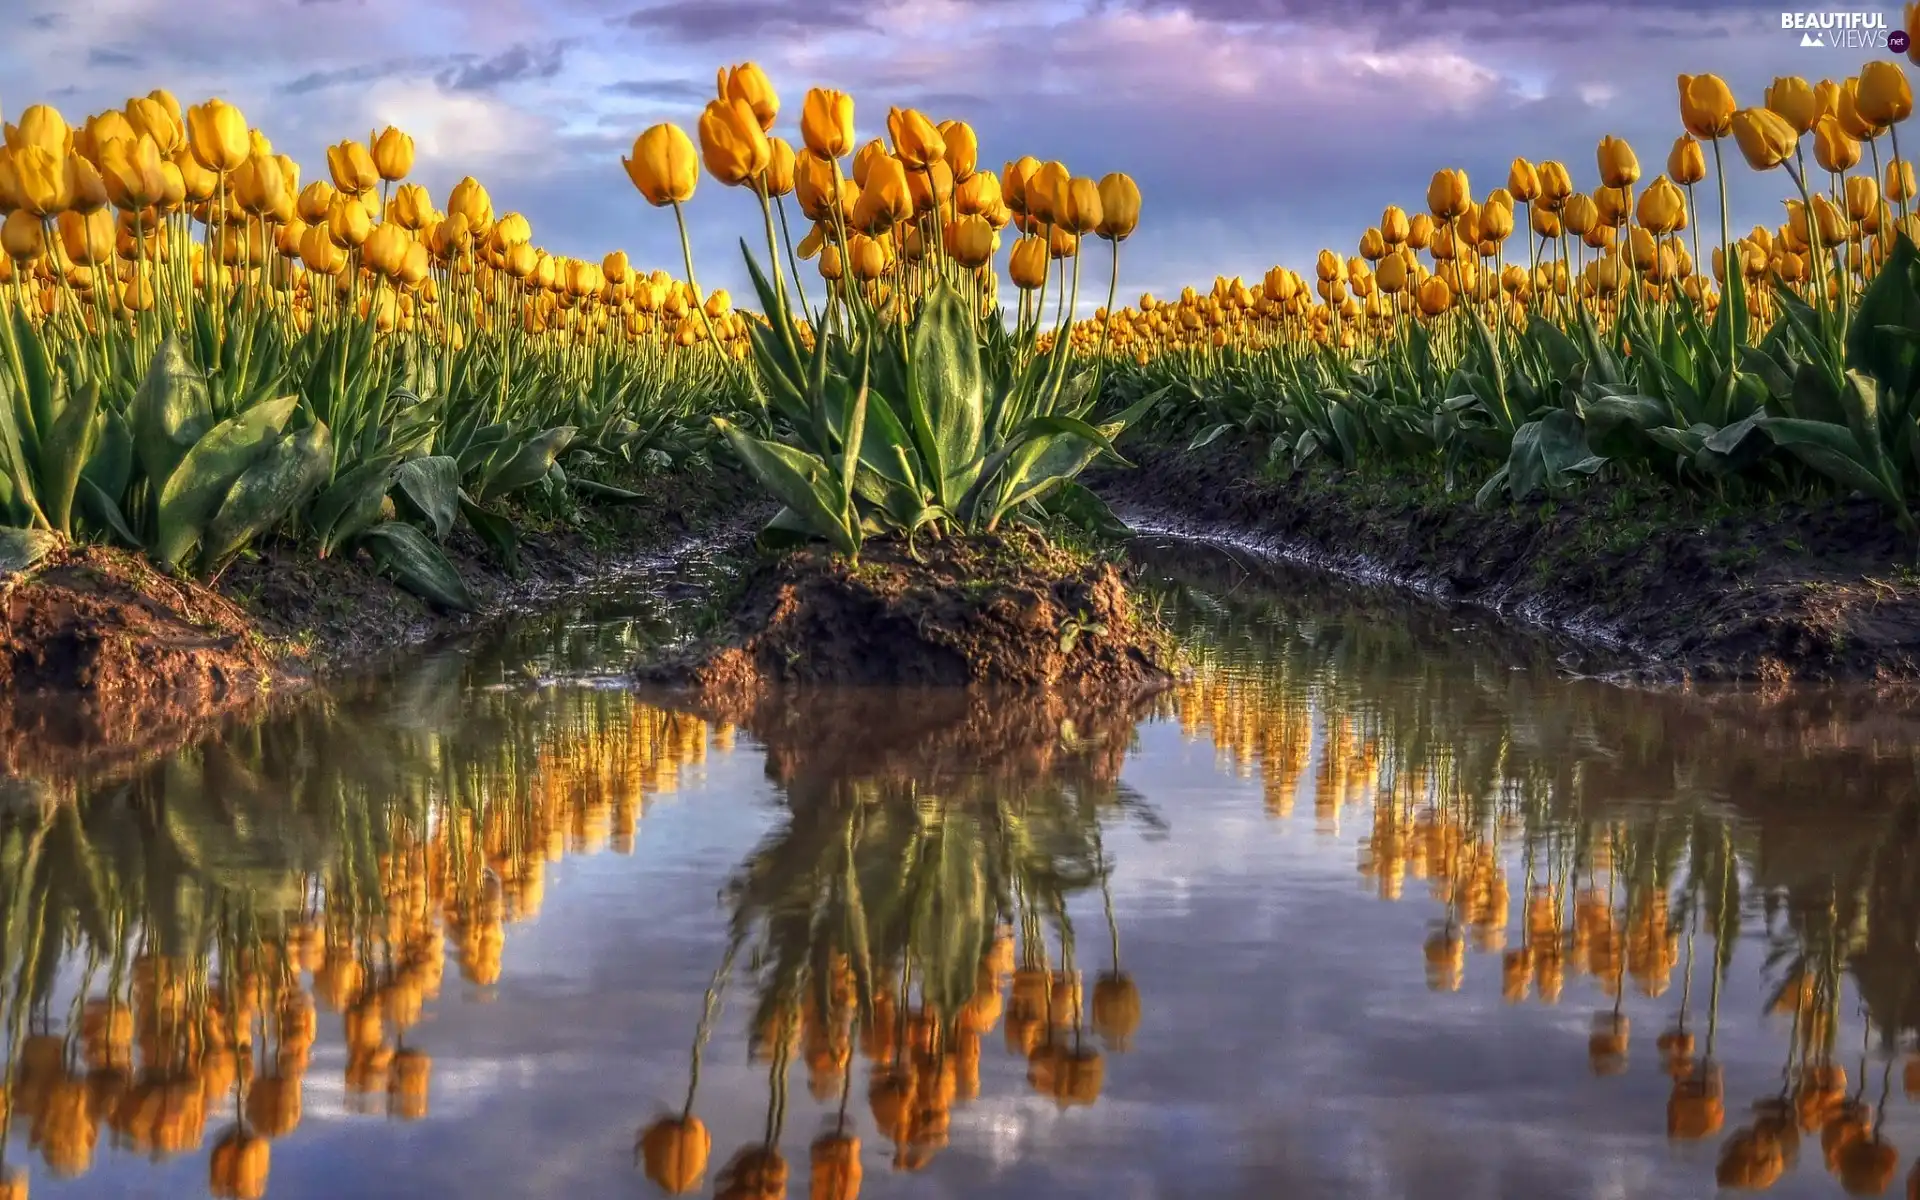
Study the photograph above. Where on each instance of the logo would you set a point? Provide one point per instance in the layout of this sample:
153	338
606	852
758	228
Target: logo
1842	30
1897	41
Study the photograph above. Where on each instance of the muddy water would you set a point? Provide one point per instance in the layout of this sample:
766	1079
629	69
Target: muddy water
1379	904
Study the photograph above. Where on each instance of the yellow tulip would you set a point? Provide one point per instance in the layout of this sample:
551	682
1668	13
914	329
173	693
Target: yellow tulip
1449	195
150	117
1863	196
130	171
1027	264
1884	96
352	167
1391	274
1706	107
217	136
1119	207
1686	162
392	154
1077	206
732	144
470	200
1793	99
1582	215
257	185
411	207
780	159
1846	106
36	181
1420	231
963	149
826	123
1900	184
1832	148
1618	166
1765	138
384	251
969	241
748	84
23	236
886	199
1663	207
347	221
41	125
916	140
1434	296
980	196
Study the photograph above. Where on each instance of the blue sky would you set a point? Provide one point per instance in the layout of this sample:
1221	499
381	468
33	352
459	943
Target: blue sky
1259	130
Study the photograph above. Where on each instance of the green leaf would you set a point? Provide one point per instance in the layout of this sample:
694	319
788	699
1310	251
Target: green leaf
1890	302
195	488
351	503
946	390
103	510
110	466
169	413
529	465
63	453
604	491
20	549
266	493
1081	506
797	479
1211	436
431	484
416	564
495	530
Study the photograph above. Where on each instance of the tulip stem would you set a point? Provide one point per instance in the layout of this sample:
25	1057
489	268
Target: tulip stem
1727	265
699	301
799	284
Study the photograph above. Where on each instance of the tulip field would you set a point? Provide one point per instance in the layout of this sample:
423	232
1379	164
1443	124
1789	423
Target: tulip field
202	351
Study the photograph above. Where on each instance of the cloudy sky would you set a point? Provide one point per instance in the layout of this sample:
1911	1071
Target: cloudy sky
1259	130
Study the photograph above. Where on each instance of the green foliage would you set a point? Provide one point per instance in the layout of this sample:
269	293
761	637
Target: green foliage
949	423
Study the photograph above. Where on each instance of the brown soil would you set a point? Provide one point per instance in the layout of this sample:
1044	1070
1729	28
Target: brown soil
999	611
1661	590
96	647
106	662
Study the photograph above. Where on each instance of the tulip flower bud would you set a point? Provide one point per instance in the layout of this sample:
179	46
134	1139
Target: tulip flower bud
1618	166
41	125
916	140
130	171
1846	108
1027	264
1706	106
963	149
1061	244
826	123
1663	207
22	236
1523	181
1077	206
969	241
980	195
663	167
470	200
1495	223
319	252
347	221
1686	162
1863	196
872	152
1449	194
1884	96
385	251
1545	222
1794	101
1900	183
1434	296
1043	189
748	84
257	185
780	167
199	181
1765	138
1419	231
931	188
886	199
392	154
1832	148
352	168
217	136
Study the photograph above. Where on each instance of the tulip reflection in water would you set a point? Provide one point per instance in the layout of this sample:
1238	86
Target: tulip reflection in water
915	899
1466	780
174	933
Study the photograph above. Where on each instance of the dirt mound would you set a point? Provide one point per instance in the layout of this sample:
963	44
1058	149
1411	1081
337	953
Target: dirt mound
999	611
149	656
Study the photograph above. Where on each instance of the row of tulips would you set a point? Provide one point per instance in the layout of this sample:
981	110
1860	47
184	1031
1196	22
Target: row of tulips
197	350
1540	335
904	397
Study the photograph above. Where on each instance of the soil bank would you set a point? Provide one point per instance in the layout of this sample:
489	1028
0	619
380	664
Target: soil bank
1000	610
105	660
1652	585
